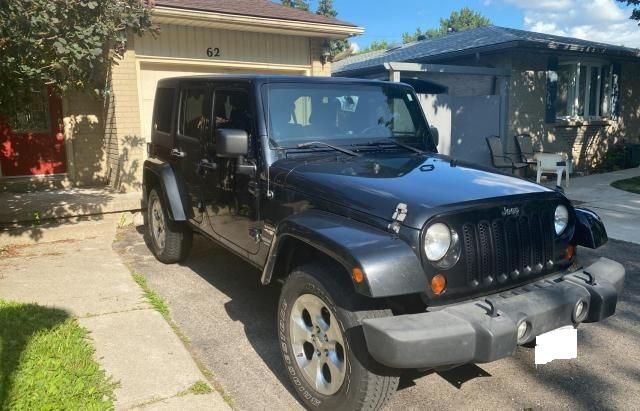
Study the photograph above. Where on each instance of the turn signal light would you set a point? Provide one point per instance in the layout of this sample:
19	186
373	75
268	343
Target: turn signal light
357	275
569	252
438	284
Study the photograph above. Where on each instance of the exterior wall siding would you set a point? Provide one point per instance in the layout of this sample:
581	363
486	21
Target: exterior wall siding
184	42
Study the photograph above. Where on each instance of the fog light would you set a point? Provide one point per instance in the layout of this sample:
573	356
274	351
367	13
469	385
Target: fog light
579	311
523	330
438	284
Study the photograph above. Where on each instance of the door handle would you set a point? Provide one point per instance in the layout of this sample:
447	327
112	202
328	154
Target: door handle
207	165
177	153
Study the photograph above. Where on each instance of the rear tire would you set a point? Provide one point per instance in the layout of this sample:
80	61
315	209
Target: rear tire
323	346
170	241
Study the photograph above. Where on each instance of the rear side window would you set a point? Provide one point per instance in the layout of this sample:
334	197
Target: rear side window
195	116
162	110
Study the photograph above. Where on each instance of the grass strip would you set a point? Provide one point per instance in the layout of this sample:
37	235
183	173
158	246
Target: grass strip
631	185
154	299
46	362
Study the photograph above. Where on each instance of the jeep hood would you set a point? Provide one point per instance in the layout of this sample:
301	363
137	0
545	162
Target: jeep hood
376	184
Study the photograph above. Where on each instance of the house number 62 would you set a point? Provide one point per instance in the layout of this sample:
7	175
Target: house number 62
213	52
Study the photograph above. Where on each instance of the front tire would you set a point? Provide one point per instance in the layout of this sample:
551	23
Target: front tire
170	241
323	347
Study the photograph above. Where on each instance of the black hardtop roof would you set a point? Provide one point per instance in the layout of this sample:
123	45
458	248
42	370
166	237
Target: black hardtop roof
270	78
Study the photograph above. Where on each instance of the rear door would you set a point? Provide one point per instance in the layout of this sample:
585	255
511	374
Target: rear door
193	132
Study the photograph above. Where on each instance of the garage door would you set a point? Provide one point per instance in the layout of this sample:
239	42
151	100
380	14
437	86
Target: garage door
151	73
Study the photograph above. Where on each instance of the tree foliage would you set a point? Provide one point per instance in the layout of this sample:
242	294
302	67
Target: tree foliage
297	4
375	45
461	20
635	11
325	8
64	44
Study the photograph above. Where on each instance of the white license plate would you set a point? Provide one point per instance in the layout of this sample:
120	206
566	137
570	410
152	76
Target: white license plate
558	344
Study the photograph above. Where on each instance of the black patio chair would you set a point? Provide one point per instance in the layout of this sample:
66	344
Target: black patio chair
500	160
524	144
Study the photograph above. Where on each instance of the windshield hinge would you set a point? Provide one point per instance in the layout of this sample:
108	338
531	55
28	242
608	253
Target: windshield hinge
398	217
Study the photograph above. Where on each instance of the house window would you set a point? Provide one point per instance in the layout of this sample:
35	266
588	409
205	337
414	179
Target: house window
584	90
32	116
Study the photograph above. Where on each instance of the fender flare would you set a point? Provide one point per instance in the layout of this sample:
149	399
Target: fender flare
390	265
590	231
172	190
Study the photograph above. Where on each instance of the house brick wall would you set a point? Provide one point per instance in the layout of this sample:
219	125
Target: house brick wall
125	145
84	133
587	143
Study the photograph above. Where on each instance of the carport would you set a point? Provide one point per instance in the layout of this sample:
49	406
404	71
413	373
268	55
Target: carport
465	103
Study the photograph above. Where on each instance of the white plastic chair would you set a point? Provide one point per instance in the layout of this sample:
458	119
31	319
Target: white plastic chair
547	163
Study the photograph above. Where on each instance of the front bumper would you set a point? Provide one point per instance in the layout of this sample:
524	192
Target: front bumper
472	332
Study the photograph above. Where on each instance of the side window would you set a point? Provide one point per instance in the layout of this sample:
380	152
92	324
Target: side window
232	110
402	121
195	113
162	110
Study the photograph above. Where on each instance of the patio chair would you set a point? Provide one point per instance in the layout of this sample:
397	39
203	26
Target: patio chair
524	144
501	161
547	163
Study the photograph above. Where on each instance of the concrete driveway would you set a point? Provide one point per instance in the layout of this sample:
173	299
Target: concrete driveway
620	210
216	300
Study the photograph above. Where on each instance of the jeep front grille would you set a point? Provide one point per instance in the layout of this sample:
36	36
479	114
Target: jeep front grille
509	247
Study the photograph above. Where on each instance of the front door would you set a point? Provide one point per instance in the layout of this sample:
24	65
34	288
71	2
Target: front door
31	138
234	213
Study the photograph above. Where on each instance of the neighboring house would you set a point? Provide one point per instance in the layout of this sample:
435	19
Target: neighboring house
573	96
82	140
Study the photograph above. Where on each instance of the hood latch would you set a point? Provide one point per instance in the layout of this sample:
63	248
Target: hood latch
398	217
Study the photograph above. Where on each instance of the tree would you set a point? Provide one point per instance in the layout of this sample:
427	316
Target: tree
462	20
375	45
63	44
297	4
325	8
635	12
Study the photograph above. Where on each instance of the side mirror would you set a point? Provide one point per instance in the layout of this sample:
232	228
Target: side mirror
231	143
435	135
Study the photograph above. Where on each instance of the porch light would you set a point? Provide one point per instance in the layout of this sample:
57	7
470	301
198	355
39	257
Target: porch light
325	52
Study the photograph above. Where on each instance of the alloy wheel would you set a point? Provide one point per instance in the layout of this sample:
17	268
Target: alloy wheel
318	344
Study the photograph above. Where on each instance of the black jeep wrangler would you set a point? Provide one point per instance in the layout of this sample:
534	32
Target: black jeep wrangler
391	255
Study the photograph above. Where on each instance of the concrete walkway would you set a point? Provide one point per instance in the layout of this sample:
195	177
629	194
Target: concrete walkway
619	210
133	342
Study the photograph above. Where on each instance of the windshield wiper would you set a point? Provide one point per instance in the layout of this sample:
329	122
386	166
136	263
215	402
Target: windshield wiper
312	144
391	141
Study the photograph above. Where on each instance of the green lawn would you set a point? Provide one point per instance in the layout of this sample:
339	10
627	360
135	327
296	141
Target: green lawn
630	184
46	362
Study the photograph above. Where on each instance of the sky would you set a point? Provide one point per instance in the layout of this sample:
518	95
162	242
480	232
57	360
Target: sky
597	20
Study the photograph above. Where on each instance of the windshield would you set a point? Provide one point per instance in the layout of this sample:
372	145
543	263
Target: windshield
343	114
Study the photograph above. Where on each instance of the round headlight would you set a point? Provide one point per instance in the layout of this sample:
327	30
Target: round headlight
437	240
561	219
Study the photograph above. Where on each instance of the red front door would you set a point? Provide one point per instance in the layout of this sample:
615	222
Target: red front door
31	138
